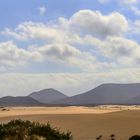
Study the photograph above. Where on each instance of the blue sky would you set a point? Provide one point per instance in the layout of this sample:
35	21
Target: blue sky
72	42
20	11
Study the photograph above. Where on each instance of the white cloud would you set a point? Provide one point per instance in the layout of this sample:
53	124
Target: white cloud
89	41
117	47
30	30
42	10
67	55
122	50
70	84
84	21
93	22
135	27
64	39
12	56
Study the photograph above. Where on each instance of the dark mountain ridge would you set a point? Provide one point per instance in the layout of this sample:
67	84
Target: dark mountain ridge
47	95
105	94
19	101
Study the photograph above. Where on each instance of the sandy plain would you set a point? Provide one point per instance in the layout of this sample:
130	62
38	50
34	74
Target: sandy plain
85	123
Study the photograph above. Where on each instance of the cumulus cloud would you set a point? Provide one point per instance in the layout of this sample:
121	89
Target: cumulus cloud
84	21
67	55
93	22
12	56
93	43
63	41
31	30
135	27
117	47
123	50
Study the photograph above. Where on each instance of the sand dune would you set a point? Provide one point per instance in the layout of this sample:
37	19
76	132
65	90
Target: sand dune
85	123
14	111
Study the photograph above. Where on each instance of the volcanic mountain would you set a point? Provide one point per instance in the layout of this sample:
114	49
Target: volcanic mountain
47	95
106	94
19	101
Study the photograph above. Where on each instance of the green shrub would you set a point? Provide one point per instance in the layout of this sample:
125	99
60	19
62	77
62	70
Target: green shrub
26	130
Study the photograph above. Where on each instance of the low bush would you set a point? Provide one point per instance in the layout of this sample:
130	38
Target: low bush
26	130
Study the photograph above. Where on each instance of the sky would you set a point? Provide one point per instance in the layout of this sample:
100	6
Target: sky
72	46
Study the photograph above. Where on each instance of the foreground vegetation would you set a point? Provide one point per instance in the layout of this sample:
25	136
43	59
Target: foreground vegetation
26	130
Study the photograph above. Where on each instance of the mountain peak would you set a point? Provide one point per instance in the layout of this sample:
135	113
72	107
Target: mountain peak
110	93
47	95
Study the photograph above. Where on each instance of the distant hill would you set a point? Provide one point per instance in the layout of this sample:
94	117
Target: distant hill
47	95
106	94
102	95
134	101
18	101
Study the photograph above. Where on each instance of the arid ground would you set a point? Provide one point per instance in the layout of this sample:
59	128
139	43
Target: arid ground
85	123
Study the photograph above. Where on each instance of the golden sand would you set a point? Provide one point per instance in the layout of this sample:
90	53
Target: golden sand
85	123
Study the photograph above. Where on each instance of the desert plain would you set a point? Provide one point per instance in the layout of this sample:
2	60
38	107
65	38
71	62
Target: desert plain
85	123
